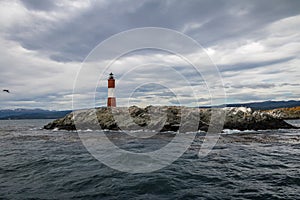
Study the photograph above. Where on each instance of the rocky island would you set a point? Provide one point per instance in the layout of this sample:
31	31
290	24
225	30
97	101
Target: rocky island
167	118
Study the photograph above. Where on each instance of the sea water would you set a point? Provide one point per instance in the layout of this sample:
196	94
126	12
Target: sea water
47	164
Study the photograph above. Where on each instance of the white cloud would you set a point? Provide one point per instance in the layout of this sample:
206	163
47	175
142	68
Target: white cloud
32	76
12	13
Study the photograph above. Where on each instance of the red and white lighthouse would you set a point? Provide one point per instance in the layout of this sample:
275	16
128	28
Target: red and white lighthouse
111	99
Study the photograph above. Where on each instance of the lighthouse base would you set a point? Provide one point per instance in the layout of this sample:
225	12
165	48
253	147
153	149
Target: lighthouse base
111	102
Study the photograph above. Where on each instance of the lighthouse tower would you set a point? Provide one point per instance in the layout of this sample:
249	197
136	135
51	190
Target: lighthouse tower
111	99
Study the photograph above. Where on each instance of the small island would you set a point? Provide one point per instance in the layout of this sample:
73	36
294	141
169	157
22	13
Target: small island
169	118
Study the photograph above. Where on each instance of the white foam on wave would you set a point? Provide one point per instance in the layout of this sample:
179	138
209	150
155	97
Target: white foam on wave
235	131
293	122
88	130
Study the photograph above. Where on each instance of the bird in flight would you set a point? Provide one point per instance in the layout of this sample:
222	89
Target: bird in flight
6	91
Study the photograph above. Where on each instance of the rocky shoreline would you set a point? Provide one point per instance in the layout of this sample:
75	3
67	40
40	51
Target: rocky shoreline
285	113
166	118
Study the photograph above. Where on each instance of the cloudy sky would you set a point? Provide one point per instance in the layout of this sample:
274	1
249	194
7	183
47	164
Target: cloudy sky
254	43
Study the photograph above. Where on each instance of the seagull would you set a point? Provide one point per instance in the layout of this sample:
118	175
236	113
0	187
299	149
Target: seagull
6	91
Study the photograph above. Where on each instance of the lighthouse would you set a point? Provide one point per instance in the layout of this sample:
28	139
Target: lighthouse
111	99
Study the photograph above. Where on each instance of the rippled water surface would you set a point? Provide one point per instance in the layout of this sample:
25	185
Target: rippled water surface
43	164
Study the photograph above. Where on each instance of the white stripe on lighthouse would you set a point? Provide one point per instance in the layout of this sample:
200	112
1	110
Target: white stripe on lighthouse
111	92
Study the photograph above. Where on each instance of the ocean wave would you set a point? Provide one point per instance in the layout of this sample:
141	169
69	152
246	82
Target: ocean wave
235	131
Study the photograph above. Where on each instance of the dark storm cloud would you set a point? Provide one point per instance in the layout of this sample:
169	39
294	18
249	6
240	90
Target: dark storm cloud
251	86
290	84
253	65
45	5
238	19
73	38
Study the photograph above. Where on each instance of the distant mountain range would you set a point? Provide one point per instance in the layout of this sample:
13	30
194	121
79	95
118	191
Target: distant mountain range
267	105
32	114
47	114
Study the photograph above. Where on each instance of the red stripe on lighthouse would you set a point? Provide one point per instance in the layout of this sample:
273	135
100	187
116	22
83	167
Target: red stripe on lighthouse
111	83
111	102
